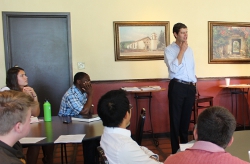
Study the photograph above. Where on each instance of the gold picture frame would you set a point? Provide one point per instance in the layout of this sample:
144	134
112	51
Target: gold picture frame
228	42
140	40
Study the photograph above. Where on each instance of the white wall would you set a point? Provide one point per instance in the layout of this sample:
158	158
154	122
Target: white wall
92	32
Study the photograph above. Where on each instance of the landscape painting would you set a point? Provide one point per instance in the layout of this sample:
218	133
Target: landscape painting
140	40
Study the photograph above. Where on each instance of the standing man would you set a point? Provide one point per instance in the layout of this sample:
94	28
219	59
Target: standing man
78	101
179	59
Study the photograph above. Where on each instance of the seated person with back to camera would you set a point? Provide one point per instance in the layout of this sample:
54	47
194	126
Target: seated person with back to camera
78	101
15	112
213	133
115	111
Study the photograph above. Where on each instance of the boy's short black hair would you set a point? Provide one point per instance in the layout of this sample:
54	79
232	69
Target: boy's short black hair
112	108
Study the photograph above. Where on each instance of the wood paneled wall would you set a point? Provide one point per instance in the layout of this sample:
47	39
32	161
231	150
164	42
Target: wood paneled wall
159	106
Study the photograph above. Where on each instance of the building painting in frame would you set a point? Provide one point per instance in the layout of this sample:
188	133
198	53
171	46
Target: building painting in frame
229	42
140	40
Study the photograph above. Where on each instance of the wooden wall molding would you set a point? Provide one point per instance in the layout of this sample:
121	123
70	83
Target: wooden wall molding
165	79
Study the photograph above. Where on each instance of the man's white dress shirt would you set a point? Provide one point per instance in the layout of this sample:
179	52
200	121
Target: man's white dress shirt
120	148
186	70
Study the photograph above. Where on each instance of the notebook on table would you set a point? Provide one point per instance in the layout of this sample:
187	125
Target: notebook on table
86	118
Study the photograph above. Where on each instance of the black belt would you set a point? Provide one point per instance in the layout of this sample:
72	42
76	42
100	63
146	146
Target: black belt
183	82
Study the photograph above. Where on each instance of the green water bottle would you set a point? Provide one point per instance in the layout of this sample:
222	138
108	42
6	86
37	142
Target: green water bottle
47	110
49	131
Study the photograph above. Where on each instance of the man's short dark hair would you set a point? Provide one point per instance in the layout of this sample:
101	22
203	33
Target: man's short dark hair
112	108
79	76
177	27
217	125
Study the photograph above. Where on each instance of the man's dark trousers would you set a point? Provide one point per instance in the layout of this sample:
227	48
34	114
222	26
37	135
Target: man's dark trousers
181	100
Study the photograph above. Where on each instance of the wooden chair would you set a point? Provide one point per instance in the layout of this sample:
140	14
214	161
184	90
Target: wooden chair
199	104
139	130
103	158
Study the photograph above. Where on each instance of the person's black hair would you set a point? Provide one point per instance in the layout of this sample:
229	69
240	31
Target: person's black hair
11	78
79	76
177	27
217	125
112	108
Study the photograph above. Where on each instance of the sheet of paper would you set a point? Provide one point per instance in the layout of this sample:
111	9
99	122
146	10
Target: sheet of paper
155	87
76	138
146	89
150	88
27	140
185	146
131	88
33	119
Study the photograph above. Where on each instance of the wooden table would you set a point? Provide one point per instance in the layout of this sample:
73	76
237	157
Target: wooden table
239	89
241	145
146	94
239	86
52	130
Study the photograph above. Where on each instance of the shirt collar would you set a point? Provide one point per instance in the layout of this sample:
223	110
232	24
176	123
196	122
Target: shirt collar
74	88
207	146
174	43
117	130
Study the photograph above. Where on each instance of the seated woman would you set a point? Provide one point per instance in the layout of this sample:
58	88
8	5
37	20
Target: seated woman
16	79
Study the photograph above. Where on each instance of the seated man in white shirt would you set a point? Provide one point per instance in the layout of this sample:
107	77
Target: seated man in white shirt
115	111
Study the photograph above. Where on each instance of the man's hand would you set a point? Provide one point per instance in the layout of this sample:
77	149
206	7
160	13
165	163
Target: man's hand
183	46
87	87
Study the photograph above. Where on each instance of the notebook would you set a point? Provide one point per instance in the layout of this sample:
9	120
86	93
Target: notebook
86	118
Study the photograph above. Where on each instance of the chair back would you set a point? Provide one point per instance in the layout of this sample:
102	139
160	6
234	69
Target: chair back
103	158
199	104
139	130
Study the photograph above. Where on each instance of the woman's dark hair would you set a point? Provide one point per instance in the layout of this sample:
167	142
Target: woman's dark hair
11	78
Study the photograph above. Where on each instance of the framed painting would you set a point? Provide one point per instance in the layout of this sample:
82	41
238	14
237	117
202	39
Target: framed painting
228	42
140	40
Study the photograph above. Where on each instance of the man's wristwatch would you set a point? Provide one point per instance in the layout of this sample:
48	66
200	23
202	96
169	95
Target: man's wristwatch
155	157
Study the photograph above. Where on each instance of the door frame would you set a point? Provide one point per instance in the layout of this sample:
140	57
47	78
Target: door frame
6	28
